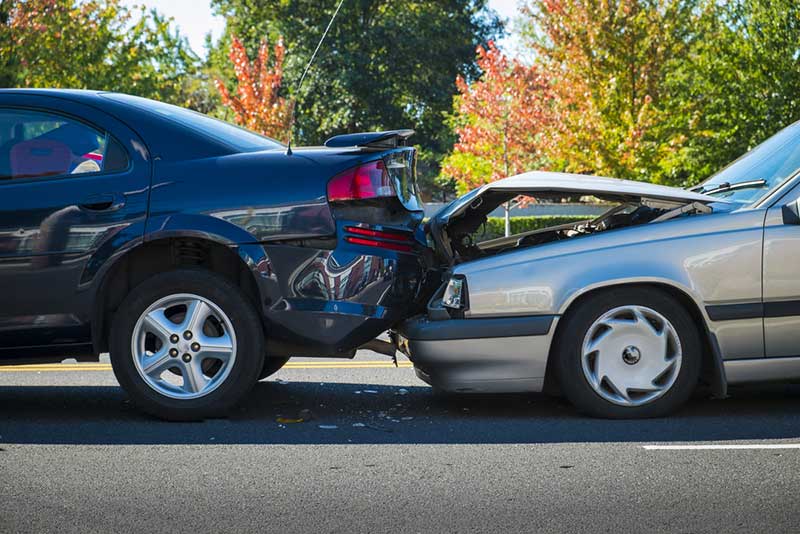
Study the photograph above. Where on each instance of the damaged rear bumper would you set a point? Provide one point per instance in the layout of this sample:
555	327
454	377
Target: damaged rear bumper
491	355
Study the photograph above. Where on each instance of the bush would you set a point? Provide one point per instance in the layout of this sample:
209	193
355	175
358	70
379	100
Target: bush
495	226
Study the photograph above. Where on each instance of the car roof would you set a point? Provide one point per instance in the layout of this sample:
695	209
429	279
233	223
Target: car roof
73	94
163	137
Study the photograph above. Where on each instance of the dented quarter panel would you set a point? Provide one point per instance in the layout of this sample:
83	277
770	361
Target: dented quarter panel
714	259
337	298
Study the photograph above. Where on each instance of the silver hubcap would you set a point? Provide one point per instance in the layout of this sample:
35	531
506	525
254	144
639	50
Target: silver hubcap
631	355
183	346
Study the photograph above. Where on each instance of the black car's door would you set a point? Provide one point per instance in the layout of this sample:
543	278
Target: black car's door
73	183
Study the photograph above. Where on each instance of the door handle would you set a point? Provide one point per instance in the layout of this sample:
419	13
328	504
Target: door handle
103	202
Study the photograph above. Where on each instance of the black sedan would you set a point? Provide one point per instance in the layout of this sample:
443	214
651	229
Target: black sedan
200	255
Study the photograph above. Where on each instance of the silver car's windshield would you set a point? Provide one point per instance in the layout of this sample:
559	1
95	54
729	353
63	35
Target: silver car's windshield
774	161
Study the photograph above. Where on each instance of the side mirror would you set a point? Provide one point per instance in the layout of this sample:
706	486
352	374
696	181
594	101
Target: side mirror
791	212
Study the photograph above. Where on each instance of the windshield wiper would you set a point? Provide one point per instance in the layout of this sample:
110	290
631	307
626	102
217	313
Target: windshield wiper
727	186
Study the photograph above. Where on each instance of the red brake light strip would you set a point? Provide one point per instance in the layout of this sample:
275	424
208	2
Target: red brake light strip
380	234
379	244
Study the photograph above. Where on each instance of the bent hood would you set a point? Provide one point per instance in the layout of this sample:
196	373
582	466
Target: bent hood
530	183
468	212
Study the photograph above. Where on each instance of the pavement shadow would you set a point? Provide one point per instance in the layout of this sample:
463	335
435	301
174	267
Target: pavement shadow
343	413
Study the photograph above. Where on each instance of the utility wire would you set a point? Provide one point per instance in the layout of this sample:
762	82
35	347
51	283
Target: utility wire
308	66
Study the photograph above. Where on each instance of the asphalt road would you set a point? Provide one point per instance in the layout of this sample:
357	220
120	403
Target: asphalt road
382	453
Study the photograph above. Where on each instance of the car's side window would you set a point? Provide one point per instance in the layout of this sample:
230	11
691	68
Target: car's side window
35	144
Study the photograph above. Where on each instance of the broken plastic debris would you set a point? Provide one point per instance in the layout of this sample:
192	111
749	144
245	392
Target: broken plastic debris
290	420
328	427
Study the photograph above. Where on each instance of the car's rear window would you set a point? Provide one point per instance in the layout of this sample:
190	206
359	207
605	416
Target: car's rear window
229	134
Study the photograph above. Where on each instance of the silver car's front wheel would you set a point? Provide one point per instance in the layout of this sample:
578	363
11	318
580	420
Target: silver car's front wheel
631	355
183	346
628	352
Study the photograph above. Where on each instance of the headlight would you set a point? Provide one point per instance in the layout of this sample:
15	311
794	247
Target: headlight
454	294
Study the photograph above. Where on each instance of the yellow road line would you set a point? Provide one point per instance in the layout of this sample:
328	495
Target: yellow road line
34	369
61	367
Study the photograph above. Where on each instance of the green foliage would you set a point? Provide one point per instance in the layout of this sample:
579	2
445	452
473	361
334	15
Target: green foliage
479	169
495	226
385	64
609	63
95	44
659	90
667	91
8	62
739	84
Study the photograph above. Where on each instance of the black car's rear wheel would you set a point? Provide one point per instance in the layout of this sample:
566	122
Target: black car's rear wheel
187	344
628	353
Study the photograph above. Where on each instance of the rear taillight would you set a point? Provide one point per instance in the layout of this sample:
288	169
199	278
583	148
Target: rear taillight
370	180
380	234
400	242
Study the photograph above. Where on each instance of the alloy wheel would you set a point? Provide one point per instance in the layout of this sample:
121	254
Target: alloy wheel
183	346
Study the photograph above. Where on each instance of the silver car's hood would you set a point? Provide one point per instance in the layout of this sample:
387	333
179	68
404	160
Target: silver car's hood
531	182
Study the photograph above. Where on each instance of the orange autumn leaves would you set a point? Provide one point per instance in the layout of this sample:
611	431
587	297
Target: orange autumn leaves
257	104
597	92
506	121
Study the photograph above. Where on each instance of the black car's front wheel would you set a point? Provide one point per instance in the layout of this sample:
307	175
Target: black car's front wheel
628	353
187	344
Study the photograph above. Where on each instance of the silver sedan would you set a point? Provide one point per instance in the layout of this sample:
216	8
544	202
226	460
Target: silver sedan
628	312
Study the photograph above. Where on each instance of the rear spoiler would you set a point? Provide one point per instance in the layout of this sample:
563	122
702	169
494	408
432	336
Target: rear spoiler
377	140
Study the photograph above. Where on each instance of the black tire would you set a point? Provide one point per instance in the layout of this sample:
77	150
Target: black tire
576	325
244	372
271	366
